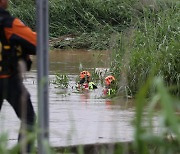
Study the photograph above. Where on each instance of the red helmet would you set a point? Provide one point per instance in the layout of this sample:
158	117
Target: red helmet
84	74
109	79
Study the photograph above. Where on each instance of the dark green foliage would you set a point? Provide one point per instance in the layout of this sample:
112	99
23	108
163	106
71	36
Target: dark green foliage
25	10
94	20
86	16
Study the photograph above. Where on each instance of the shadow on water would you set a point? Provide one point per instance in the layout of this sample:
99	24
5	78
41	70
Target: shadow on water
76	118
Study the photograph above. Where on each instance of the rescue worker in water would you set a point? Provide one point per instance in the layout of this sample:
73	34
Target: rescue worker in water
17	42
85	81
109	85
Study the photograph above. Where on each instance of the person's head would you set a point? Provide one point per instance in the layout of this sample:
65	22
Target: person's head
85	76
4	4
109	80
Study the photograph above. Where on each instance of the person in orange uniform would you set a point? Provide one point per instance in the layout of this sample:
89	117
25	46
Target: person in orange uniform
84	77
109	80
85	81
17	42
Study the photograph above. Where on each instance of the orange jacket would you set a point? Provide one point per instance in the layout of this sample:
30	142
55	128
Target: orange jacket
16	40
17	33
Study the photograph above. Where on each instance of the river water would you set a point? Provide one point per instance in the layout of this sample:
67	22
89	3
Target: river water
75	118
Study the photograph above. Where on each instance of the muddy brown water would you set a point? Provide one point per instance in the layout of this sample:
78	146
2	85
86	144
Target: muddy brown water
75	118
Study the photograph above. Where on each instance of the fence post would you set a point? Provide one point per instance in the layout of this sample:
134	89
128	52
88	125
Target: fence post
42	23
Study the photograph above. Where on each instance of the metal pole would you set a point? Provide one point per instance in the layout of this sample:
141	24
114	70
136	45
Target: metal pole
43	69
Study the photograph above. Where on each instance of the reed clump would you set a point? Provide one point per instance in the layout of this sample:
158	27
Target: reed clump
154	43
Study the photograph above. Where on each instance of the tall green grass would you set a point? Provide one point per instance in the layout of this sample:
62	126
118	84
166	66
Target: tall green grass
91	21
78	16
25	10
164	106
155	42
82	16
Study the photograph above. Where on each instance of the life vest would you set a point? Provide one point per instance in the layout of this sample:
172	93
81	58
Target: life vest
108	92
92	85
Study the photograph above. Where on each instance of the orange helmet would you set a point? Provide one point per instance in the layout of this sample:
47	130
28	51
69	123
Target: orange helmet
84	74
109	79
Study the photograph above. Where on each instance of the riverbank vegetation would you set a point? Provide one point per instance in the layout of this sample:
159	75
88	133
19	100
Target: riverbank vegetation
89	22
153	43
141	35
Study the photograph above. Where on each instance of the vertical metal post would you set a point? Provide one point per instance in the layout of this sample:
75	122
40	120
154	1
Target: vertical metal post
43	69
